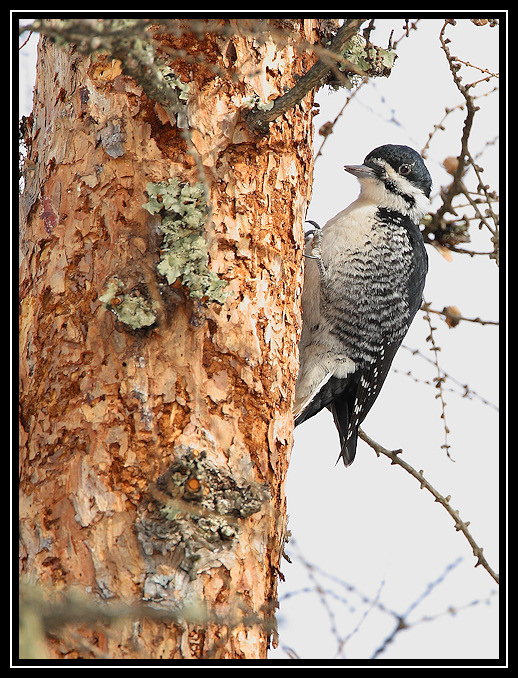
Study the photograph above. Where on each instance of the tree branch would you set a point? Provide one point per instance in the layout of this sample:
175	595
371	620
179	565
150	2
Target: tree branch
436	224
258	120
448	313
460	525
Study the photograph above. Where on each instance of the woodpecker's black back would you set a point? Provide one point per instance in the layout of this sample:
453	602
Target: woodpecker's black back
363	287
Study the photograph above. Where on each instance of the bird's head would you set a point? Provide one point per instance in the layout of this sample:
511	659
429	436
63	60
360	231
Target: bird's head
395	177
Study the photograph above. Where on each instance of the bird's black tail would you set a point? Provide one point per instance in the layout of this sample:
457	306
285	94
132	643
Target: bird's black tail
348	439
348	450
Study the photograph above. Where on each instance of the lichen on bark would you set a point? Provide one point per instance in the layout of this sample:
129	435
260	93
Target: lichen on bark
184	252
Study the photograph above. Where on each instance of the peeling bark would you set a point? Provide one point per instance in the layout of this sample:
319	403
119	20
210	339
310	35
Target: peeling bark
153	459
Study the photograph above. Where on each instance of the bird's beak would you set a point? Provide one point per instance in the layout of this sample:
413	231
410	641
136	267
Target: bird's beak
359	170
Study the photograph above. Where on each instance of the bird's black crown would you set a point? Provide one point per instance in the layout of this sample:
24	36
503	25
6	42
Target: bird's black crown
404	160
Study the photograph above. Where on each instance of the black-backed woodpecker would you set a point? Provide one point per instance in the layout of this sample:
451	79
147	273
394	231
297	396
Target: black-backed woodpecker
363	283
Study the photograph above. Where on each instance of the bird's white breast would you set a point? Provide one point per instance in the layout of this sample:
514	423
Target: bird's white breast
348	230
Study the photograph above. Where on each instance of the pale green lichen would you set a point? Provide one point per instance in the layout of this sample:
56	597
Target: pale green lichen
174	81
179	95
135	312
374	61
112	288
184	252
130	308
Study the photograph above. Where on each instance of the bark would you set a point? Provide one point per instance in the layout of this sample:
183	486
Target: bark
154	456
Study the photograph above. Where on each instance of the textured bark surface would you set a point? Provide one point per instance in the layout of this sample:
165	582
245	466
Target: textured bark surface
153	460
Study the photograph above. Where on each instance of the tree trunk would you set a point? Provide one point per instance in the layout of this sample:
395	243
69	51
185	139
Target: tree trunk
155	415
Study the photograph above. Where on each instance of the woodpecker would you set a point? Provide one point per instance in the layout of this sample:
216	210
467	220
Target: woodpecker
363	282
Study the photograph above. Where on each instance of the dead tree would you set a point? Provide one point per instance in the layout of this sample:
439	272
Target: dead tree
159	317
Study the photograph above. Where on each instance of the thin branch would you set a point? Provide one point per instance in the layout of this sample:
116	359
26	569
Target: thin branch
468	391
402	623
407	28
330	593
258	119
438	379
58	610
439	127
445	234
457	318
478	213
25	41
454	188
460	525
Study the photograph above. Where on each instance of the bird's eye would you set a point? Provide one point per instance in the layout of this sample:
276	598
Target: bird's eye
405	170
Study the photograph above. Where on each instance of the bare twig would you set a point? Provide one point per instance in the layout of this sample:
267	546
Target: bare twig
438	379
468	391
439	127
402	620
437	230
333	590
25	41
460	525
453	316
454	188
406	28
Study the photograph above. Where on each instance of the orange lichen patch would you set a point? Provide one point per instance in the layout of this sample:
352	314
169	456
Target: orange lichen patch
193	484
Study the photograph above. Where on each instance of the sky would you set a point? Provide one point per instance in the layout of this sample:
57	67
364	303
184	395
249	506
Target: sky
367	543
370	524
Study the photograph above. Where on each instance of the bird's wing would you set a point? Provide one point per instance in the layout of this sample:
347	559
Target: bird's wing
349	399
301	404
353	408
